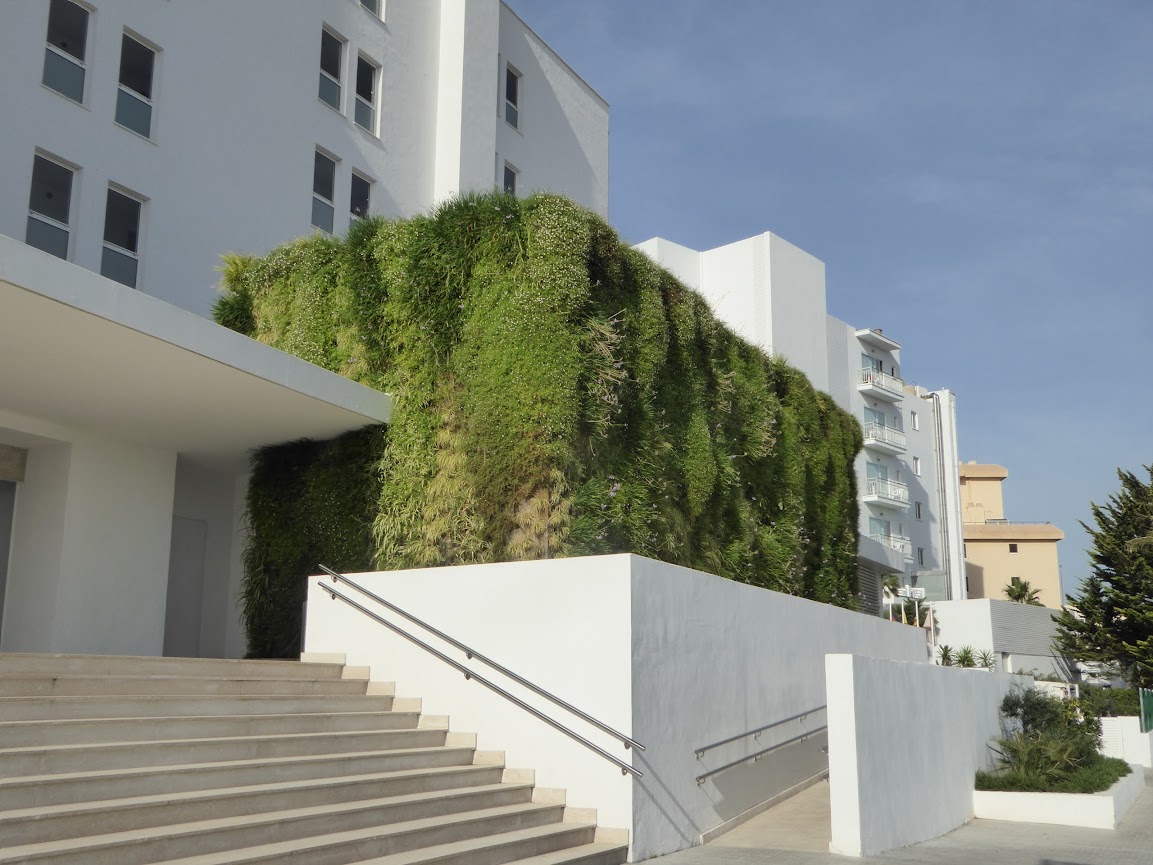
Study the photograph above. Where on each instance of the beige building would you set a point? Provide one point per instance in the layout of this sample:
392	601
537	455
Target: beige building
996	549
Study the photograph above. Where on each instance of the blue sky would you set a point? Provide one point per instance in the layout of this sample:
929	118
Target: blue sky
977	178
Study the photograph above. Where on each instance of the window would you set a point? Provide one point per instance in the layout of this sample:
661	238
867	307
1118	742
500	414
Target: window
874	416
917	510
323	191
509	179
914	421
49	203
1012	548
372	6
331	55
917	466
359	197
120	258
512	97
921	556
134	98
365	111
64	68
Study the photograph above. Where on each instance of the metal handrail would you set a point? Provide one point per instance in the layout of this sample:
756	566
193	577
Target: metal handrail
895	490
889	435
469	674
800	716
802	737
882	379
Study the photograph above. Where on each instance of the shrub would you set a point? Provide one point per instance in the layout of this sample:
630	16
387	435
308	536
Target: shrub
1106	702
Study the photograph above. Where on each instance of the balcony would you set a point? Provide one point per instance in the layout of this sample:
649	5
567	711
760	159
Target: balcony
900	543
884	439
885	492
873	382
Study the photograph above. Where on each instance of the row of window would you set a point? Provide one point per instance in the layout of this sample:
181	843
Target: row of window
50	220
66	66
324	193
364	108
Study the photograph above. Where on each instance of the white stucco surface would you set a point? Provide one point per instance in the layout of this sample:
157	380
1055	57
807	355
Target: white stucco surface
1122	738
675	658
904	743
1102	810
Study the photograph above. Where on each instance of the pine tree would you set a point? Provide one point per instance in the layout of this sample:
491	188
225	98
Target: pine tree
1111	619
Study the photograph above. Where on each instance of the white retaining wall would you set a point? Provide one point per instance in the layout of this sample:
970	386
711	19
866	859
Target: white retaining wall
1122	737
1102	810
904	743
675	658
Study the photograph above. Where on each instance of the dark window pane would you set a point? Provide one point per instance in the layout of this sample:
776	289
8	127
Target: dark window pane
136	66
324	177
47	237
329	91
118	266
365	116
51	192
372	6
509	181
512	116
511	86
121	221
358	200
330	48
63	75
365	80
322	214
134	113
68	27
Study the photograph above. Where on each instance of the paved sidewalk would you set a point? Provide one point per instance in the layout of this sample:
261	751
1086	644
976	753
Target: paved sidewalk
793	832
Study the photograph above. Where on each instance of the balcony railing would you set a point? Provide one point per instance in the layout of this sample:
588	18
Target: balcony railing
900	543
884	435
886	489
881	383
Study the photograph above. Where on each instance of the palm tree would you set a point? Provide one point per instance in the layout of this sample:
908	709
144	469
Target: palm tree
1019	591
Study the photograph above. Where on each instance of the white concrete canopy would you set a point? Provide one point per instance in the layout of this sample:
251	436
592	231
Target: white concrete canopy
80	350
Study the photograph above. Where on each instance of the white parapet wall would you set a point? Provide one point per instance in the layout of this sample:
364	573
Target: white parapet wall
1122	738
905	741
677	659
1102	810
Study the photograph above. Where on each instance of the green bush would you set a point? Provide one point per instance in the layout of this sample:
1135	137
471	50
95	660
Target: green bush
555	394
1099	774
1104	702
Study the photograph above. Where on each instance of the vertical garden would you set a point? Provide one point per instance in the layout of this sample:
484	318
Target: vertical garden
555	394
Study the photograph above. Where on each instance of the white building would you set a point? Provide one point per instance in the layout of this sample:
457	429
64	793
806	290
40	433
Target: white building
773	294
143	140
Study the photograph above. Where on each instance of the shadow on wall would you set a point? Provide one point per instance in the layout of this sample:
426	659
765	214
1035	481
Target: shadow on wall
975	582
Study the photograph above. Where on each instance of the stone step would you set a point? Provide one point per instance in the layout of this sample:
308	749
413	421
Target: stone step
596	853
32	791
48	685
49	760
119	665
77	731
50	708
329	848
55	822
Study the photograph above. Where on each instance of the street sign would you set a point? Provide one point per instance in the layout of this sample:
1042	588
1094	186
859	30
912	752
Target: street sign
911	592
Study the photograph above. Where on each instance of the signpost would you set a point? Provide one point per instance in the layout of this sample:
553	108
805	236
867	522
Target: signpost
916	595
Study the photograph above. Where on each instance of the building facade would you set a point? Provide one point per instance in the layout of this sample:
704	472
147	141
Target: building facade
773	294
998	550
155	137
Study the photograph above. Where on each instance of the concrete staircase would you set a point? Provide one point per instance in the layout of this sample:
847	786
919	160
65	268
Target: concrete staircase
126	761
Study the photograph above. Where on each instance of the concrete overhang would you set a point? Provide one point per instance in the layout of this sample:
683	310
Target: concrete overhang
986	471
876	556
79	350
877	339
1011	532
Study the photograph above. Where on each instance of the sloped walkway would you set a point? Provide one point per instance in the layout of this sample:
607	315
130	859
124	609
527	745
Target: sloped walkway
793	832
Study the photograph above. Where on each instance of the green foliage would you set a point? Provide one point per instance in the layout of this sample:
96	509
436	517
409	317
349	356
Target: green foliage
946	655
1099	774
1109	702
1019	591
555	394
986	659
965	658
1111	620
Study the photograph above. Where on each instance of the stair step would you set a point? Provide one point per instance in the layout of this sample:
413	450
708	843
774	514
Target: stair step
47	760
74	731
331	848
55	822
596	853
136	706
40	790
47	685
113	665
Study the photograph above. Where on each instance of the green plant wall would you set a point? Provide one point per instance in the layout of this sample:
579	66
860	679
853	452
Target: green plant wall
555	394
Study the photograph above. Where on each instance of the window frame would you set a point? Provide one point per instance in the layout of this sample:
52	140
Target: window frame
506	171
130	93
917	510
914	420
358	100
920	557
352	215
516	104
317	197
378	12
44	218
325	30
105	244
917	466
79	62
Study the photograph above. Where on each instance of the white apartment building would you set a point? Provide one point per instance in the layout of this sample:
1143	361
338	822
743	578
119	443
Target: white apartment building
145	139
142	140
773	294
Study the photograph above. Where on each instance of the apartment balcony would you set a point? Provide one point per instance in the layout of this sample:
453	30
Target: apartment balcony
900	543
884	439
893	494
873	382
